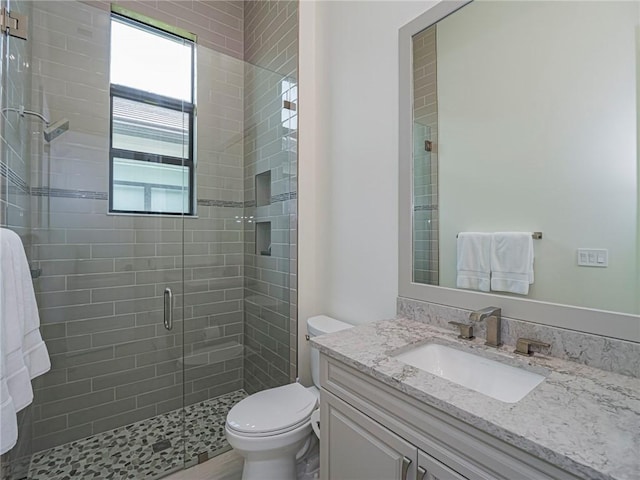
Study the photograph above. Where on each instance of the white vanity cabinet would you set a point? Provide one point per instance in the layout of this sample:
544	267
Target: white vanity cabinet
370	431
361	449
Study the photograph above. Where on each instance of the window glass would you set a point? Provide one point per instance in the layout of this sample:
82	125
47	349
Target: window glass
150	187
150	61
148	128
128	198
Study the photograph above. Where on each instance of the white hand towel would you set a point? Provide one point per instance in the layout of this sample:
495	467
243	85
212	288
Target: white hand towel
512	262
474	261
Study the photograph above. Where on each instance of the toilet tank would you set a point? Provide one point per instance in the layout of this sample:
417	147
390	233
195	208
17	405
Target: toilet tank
319	325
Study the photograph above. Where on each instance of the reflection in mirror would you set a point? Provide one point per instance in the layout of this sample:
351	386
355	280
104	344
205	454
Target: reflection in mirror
525	119
425	158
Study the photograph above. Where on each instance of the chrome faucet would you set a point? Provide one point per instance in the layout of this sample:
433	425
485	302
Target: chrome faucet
491	316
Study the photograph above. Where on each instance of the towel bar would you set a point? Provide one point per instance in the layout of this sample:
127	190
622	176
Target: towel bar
535	235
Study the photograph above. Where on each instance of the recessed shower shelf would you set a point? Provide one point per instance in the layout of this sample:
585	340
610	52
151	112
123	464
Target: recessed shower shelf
263	238
263	189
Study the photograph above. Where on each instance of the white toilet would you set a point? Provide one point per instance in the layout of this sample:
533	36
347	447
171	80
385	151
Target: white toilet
271	428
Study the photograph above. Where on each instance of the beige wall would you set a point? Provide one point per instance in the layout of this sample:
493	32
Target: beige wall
348	200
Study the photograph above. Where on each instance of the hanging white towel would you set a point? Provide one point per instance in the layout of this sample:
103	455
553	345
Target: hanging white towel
34	350
22	352
13	323
8	418
512	262
474	261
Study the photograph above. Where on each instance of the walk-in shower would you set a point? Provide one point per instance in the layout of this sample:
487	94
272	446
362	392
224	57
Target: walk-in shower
119	192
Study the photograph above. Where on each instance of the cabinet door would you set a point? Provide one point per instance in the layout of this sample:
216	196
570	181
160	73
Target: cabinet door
431	469
354	447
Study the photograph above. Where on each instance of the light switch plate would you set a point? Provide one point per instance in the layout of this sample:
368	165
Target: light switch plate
593	257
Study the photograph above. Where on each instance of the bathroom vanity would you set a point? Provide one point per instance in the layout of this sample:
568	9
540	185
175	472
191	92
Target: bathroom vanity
384	419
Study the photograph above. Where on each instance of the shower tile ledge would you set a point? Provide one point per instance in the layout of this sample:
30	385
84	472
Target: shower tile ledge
581	419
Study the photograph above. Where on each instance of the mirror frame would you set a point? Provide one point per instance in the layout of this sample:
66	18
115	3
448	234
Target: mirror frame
587	320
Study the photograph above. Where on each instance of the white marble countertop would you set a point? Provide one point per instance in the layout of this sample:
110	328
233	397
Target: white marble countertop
581	419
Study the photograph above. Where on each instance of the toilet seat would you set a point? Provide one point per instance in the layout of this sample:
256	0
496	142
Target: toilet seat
272	412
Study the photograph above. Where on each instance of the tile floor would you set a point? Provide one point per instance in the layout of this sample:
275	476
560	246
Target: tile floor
128	452
227	466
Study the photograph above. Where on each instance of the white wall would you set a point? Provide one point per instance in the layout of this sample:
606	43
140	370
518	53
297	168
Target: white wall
571	173
348	160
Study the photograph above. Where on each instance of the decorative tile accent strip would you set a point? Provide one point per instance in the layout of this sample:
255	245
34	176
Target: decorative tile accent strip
128	453
610	354
419	208
205	202
66	193
283	197
61	192
14	178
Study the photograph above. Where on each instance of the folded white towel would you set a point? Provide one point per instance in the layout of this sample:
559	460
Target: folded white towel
23	354
512	262
474	261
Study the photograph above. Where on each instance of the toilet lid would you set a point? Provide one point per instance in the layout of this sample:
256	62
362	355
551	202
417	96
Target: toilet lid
272	411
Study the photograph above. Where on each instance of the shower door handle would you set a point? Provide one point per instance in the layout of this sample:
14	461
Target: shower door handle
168	309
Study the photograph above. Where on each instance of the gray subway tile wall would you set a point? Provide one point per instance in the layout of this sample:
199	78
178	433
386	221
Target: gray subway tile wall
270	41
219	24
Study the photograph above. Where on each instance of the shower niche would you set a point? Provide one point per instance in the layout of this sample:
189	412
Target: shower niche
263	238
263	189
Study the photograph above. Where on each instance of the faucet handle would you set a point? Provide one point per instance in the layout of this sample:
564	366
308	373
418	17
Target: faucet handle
466	331
523	346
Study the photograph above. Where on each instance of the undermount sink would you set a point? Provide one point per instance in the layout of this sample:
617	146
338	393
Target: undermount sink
494	379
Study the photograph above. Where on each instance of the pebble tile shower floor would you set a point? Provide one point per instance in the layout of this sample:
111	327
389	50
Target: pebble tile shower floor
128	453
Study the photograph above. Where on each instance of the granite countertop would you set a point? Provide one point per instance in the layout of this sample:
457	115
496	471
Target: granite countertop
580	419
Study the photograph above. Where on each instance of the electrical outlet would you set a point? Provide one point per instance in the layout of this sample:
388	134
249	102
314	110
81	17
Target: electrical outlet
593	257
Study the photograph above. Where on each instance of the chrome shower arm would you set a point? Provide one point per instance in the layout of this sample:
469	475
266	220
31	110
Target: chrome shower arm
22	112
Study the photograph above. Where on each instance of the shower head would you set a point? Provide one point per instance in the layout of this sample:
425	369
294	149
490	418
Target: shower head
54	130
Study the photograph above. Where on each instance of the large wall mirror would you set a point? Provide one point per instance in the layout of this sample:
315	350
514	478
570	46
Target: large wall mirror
523	116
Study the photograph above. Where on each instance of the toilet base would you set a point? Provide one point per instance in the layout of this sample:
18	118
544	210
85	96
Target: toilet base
270	458
270	469
308	465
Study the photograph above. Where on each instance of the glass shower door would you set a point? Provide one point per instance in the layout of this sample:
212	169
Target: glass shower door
15	199
110	194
